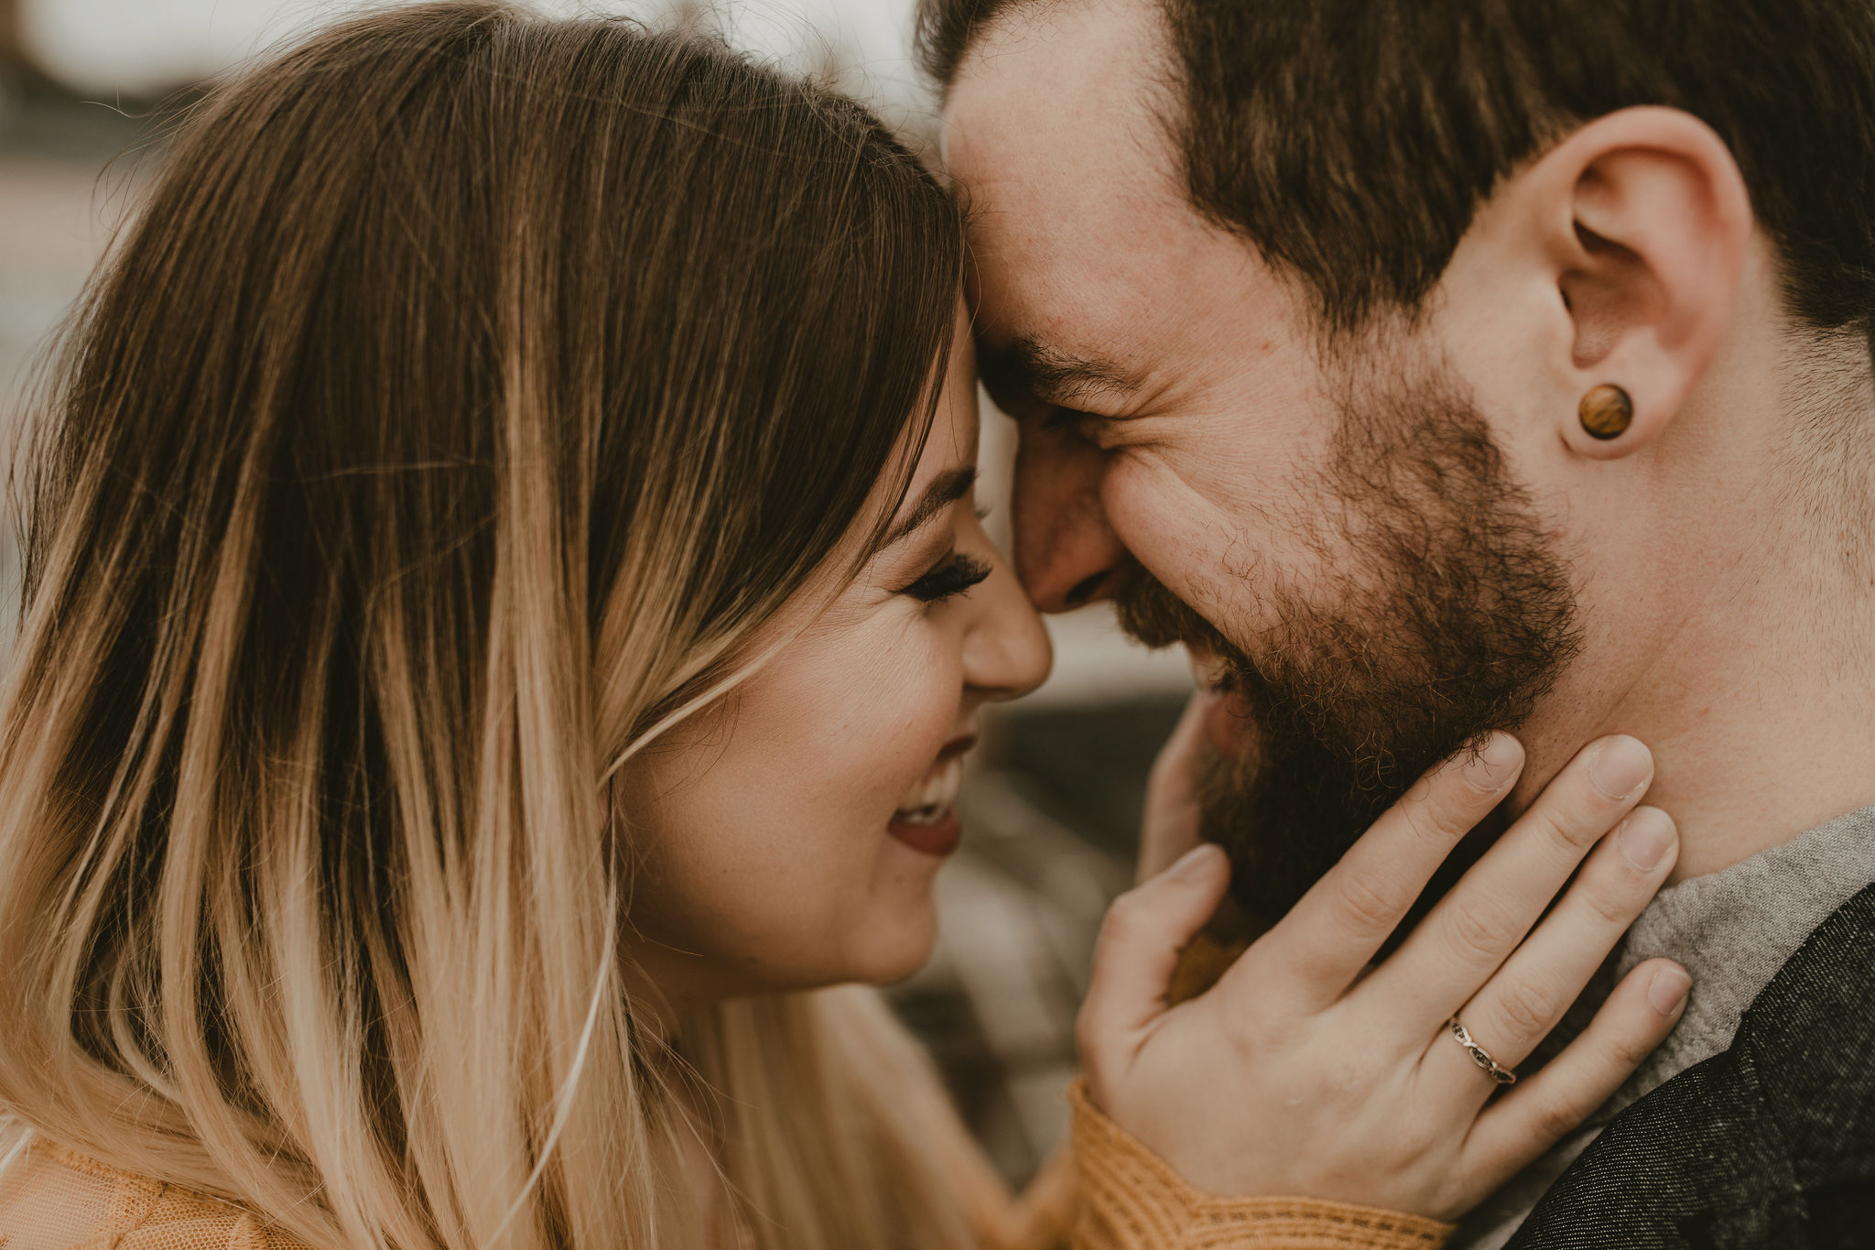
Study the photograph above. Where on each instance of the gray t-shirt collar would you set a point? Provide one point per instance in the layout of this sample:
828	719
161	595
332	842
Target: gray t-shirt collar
1733	930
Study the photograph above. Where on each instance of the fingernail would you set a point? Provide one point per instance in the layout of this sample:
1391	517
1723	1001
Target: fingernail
1494	764
1668	990
1194	864
1646	837
1621	767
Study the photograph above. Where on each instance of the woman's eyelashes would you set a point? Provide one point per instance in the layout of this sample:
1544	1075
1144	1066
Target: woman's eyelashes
955	574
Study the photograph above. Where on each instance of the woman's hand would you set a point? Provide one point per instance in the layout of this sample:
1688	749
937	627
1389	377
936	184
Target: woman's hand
1170	826
1309	1071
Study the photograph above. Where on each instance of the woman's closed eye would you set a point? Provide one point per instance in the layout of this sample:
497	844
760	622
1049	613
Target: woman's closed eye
951	576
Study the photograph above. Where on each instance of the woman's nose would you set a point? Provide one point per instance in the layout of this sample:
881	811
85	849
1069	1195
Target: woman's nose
1006	652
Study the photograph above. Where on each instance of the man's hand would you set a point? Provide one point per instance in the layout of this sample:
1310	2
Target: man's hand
1309	1071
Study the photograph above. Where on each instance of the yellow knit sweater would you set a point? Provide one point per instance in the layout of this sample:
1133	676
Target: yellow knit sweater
1114	1195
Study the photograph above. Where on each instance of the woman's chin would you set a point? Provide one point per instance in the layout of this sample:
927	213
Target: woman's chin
893	954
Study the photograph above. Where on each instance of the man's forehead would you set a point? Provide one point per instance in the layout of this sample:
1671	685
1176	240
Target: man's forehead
1053	135
1092	62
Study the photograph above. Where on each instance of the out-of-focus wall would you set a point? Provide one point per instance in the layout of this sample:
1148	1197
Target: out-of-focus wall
140	48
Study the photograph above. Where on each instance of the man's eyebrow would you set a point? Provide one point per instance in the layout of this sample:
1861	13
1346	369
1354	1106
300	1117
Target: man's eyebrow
1030	367
945	489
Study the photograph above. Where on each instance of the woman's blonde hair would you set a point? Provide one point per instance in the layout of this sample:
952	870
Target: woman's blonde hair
470	388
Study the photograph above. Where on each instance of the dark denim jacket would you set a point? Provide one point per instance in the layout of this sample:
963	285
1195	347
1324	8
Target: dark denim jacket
1770	1145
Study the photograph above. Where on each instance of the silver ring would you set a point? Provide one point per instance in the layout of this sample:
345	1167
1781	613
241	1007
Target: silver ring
1479	1055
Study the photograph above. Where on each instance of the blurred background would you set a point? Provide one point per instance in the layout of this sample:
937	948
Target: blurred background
1052	810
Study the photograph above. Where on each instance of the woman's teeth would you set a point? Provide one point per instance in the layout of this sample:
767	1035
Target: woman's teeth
929	801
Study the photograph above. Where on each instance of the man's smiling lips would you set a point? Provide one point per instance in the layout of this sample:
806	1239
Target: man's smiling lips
1227	724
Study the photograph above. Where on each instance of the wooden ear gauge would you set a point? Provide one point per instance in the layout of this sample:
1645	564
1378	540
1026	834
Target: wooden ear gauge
1606	412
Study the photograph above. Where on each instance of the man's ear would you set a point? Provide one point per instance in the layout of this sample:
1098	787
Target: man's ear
1643	221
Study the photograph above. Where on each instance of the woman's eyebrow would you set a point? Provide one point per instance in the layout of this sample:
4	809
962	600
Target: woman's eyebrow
945	489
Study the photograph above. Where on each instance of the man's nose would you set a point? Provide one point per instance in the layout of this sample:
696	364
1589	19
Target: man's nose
1066	552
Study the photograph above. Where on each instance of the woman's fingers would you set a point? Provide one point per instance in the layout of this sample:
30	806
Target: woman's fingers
1138	948
1518	1007
1325	941
1171	825
1464	939
1548	1105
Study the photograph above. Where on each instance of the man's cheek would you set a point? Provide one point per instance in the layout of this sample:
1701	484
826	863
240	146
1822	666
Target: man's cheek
1166	525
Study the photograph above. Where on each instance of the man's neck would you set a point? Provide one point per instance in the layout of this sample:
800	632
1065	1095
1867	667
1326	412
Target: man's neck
1756	695
1756	764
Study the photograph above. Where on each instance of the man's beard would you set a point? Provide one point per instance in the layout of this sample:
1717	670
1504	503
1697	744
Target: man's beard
1443	614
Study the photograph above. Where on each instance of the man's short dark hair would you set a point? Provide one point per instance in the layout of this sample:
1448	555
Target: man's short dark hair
1353	140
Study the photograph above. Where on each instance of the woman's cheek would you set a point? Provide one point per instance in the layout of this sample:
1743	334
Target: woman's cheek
772	835
912	694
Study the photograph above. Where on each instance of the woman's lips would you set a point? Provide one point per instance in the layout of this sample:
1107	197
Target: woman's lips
937	840
926	819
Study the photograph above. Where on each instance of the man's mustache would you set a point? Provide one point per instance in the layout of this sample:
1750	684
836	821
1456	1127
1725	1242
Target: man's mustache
1156	617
